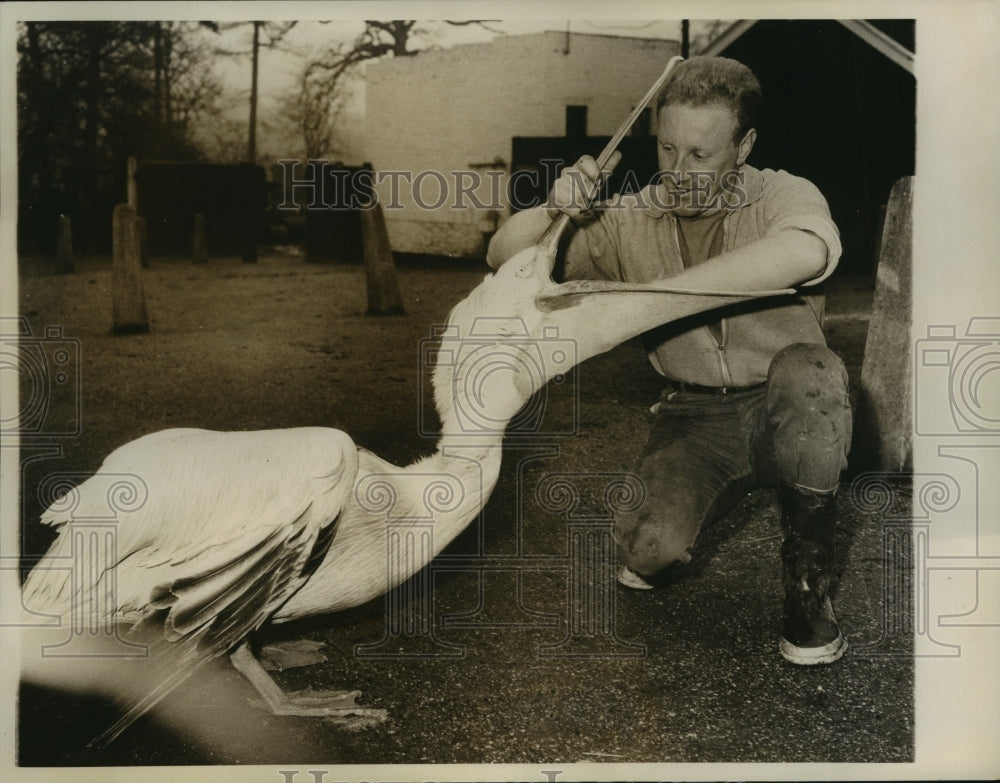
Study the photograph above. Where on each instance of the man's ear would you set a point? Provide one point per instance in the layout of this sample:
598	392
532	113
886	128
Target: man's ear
744	147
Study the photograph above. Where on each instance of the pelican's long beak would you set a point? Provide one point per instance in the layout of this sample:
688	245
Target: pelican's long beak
597	315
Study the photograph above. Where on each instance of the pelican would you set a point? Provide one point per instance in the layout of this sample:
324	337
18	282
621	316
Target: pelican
242	528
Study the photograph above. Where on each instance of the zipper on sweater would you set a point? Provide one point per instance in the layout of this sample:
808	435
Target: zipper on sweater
723	322
727	378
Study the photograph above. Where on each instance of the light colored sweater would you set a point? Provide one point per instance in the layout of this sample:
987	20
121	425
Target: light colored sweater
633	238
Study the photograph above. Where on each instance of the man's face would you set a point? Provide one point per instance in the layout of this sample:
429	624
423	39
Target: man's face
698	158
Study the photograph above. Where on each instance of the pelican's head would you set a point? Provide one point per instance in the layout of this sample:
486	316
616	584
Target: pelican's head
496	350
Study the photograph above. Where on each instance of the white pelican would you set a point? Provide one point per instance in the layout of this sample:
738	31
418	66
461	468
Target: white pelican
241	528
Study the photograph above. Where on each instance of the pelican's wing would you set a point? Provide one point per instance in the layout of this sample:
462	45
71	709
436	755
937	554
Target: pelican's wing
599	314
198	500
219	601
228	527
195	618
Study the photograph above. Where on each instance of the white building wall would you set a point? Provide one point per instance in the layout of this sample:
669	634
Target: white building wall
440	113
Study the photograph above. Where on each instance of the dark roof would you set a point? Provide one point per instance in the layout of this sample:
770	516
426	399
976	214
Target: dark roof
894	38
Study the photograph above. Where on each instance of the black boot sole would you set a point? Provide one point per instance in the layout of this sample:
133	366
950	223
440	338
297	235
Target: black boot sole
819	654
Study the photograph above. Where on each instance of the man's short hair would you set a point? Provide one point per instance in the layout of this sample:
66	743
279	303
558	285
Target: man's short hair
704	80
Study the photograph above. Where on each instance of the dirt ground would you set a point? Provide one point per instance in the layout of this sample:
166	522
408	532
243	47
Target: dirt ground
479	659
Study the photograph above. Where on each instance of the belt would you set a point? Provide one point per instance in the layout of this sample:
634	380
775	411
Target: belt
694	388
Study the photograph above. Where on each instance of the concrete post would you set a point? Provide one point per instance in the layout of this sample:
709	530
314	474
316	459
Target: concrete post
143	242
128	300
199	249
131	188
885	406
384	297
64	246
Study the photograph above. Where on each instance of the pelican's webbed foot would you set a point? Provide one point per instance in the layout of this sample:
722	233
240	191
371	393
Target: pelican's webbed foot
340	706
280	656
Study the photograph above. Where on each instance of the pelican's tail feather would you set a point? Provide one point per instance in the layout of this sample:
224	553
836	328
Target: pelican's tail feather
169	665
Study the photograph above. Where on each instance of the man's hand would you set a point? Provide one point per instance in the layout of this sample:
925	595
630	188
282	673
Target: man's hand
576	184
570	194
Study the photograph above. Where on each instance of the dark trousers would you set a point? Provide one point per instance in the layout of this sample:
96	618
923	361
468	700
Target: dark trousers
705	451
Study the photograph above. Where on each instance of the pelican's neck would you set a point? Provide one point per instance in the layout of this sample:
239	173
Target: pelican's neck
399	518
458	478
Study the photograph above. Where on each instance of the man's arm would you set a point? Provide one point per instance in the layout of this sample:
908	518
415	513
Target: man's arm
787	259
520	231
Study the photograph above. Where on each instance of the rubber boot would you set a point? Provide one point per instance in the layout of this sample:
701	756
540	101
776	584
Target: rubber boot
810	634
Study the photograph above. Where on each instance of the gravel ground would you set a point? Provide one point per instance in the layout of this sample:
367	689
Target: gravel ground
506	667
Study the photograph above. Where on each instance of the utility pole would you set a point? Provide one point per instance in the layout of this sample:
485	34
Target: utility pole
252	143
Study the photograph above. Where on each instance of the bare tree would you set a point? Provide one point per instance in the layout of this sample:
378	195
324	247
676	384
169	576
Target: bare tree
312	112
183	85
321	93
396	38
265	34
91	94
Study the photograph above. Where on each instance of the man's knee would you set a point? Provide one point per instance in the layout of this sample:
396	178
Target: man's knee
653	538
812	368
809	409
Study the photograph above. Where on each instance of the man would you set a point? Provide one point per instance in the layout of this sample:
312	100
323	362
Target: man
753	397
